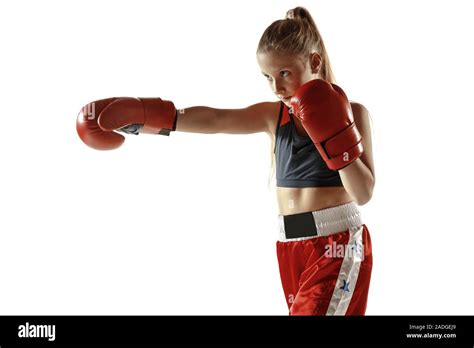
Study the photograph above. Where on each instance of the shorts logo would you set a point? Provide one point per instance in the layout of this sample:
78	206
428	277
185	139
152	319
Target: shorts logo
345	286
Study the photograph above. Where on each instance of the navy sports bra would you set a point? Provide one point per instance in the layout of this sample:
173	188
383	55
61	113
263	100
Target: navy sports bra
298	162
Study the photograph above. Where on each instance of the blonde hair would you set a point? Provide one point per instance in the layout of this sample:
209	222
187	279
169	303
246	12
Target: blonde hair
297	34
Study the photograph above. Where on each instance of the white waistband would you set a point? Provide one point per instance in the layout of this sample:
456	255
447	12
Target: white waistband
329	221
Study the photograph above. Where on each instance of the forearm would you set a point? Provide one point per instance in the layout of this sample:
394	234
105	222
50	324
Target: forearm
197	119
358	181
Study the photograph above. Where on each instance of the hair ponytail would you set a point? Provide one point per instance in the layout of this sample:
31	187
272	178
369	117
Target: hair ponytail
297	34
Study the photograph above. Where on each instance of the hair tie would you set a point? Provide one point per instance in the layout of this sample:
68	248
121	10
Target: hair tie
290	14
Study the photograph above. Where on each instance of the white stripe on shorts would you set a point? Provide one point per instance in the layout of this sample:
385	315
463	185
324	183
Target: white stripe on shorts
348	274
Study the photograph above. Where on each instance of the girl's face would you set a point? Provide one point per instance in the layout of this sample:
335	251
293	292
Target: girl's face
286	72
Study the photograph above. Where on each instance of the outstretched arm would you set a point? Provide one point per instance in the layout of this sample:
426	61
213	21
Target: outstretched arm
201	119
99	122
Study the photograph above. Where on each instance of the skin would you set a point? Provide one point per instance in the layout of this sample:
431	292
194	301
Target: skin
285	73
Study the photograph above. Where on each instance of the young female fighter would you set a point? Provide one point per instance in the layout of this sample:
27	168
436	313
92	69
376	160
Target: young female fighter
324	164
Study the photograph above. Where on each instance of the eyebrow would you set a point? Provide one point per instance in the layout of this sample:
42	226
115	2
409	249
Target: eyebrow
281	69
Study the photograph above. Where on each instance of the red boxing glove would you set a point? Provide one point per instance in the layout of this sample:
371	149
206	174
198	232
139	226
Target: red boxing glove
98	120
326	115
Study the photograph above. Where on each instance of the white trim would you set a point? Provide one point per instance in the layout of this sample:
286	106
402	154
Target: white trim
328	221
348	274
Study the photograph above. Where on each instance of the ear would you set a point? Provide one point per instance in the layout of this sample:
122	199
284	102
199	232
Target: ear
315	62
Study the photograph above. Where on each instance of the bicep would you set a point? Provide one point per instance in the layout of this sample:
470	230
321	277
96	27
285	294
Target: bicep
252	119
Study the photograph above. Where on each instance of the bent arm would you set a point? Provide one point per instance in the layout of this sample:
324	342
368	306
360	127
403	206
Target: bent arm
358	177
358	181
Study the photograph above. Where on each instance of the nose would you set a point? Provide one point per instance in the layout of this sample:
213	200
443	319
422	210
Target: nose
277	87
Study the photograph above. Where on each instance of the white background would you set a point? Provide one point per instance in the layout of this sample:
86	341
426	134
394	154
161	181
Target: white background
186	224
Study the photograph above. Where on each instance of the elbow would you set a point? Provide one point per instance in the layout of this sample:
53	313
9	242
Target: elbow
359	182
362	201
364	197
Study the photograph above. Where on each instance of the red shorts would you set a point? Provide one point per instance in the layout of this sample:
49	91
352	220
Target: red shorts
325	267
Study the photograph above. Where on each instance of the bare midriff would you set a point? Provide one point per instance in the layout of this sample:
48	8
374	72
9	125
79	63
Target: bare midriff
301	200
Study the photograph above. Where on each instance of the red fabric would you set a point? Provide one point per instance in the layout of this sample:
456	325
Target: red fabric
309	277
98	120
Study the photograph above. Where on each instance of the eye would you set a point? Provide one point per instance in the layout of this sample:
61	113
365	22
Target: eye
267	77
284	73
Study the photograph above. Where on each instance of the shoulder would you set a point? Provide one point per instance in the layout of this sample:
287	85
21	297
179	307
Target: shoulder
361	116
359	111
269	111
